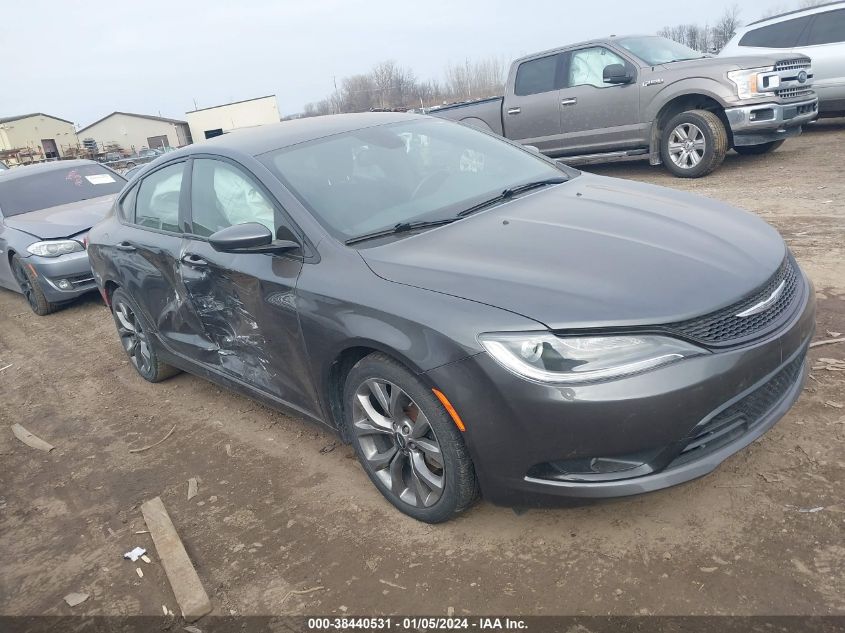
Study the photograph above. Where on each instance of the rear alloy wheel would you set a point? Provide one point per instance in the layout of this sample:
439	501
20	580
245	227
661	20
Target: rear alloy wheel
31	289
693	143
755	150
136	342
407	443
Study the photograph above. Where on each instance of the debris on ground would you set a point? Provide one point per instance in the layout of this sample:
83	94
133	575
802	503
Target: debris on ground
75	598
830	364
146	559
146	448
835	405
771	478
135	554
328	448
5	367
228	448
805	510
193	488
301	592
33	441
192	629
827	341
186	584
139	572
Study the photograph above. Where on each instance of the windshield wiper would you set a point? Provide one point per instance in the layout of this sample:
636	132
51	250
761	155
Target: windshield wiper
510	193
401	227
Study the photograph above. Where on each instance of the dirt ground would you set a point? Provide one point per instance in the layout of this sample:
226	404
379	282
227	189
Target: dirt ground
282	506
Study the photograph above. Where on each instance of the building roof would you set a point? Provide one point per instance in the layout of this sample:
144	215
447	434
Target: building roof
140	116
9	119
223	105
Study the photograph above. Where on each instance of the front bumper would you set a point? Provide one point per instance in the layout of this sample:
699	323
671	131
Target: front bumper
63	278
515	426
766	122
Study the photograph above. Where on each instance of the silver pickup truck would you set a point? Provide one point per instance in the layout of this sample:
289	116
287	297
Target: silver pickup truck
649	96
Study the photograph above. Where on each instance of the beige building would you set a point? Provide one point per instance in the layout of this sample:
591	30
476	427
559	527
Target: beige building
35	137
216	120
133	132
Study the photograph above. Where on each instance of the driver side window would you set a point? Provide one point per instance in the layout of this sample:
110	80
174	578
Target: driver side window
222	195
586	66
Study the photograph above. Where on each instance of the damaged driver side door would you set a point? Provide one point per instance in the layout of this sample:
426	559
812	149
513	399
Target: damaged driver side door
246	301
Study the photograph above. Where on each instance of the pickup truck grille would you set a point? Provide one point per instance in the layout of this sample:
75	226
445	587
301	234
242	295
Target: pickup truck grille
791	93
793	64
723	327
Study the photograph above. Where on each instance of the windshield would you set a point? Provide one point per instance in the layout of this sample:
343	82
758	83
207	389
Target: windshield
45	189
374	178
658	50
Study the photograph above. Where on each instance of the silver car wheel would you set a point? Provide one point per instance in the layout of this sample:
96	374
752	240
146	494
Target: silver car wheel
133	337
398	442
687	145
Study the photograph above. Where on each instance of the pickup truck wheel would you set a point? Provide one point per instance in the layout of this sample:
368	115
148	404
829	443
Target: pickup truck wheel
763	148
693	143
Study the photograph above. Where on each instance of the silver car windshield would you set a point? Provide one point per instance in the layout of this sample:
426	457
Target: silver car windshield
374	178
658	50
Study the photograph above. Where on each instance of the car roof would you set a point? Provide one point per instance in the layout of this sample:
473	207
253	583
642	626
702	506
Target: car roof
265	138
27	170
819	8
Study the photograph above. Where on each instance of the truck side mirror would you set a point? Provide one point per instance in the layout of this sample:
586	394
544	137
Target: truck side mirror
616	74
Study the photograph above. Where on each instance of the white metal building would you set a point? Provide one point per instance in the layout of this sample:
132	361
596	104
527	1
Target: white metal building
216	120
39	135
133	132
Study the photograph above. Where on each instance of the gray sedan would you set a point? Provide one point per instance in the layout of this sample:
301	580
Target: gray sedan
471	316
45	213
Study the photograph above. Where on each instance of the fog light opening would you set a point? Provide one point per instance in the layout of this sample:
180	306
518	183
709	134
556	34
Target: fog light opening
64	284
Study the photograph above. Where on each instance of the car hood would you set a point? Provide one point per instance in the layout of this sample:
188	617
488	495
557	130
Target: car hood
63	220
732	62
593	252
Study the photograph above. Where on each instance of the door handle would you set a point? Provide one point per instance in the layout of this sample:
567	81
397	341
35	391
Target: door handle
569	101
125	246
193	260
514	110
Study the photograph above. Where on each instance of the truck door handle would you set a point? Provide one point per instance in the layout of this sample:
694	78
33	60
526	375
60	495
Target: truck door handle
193	260
514	110
570	101
125	246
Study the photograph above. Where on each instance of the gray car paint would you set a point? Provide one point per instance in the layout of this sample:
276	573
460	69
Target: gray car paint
68	220
617	117
297	321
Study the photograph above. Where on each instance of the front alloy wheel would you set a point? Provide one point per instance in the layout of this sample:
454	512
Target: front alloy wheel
686	145
398	442
406	441
693	143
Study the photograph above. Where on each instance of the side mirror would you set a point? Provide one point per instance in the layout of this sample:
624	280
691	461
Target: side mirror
616	74
250	237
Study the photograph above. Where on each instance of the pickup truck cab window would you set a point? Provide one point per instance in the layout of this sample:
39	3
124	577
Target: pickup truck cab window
157	206
536	76
586	66
222	196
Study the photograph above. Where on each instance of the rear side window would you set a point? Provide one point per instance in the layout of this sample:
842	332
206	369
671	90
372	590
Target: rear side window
780	35
126	208
827	28
536	76
157	206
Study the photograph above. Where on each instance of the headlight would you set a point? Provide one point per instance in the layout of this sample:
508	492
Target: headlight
54	248
544	357
754	82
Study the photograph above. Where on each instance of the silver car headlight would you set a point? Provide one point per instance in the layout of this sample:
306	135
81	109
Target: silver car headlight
754	82
55	248
544	357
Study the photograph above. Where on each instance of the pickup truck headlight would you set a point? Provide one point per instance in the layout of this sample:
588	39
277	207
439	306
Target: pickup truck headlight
544	357
754	82
54	248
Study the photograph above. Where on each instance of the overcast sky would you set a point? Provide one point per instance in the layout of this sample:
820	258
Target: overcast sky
80	60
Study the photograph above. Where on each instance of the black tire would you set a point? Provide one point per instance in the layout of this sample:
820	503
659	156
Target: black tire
756	150
31	288
125	313
460	487
715	143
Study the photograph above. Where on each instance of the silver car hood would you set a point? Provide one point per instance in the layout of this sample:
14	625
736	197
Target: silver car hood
63	220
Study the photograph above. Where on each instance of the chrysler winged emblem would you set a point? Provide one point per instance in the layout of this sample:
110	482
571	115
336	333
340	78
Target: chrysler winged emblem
765	304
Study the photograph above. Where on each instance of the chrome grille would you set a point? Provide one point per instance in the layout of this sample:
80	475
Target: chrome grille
793	64
791	93
723	327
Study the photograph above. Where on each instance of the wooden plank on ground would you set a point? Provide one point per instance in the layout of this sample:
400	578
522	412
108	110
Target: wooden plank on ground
189	592
31	440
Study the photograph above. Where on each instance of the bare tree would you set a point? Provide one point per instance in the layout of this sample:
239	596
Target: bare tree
726	27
